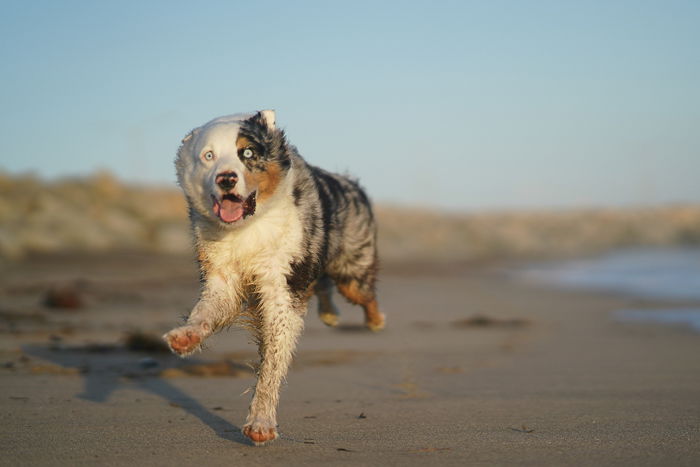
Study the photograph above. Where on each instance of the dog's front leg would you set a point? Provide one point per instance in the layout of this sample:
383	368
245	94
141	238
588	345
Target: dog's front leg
218	305
281	323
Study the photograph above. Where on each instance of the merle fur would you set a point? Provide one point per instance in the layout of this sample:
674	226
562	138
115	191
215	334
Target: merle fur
340	233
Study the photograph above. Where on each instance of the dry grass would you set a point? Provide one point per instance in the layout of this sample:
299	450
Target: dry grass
441	237
88	214
100	213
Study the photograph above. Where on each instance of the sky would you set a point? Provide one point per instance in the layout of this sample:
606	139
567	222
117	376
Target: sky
465	105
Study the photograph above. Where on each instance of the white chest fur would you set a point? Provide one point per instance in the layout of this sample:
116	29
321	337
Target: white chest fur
261	250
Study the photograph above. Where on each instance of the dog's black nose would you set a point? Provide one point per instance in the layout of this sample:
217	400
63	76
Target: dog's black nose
226	180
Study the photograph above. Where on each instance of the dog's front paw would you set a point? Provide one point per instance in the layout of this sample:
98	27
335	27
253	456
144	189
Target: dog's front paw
260	432
184	340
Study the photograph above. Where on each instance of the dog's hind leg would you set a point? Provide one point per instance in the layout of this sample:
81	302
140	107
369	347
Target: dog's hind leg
280	323
327	310
363	294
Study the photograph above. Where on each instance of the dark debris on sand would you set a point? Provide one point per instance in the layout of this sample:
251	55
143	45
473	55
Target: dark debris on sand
65	297
482	321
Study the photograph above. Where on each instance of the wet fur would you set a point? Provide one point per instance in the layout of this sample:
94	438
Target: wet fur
310	229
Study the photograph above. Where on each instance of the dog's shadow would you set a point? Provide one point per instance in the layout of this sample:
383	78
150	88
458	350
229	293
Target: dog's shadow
353	329
106	372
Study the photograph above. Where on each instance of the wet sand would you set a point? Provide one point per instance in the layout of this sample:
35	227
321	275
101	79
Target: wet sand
474	368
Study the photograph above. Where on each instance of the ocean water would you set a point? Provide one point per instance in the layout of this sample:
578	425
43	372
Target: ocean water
671	316
670	274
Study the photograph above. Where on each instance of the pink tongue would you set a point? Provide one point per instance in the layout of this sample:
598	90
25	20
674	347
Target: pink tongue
230	211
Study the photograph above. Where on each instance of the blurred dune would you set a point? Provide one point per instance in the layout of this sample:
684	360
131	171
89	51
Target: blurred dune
100	213
95	213
442	237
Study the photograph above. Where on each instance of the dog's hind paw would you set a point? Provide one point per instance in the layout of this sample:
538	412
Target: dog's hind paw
376	323
329	319
260	433
184	340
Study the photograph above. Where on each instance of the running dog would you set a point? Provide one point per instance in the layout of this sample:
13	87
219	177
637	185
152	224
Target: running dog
270	230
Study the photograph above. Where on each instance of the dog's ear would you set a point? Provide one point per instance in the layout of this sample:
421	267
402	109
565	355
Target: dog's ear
189	136
186	144
268	116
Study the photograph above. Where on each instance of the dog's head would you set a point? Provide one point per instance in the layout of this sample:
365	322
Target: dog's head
232	166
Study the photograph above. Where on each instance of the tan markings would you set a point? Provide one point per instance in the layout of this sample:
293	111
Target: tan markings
266	180
373	318
242	142
351	291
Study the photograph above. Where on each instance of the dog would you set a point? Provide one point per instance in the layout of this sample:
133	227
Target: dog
270	231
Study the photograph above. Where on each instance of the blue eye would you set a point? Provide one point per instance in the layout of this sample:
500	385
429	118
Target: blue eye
247	153
209	156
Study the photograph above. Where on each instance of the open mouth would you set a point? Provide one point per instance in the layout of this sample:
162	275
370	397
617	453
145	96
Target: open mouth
232	208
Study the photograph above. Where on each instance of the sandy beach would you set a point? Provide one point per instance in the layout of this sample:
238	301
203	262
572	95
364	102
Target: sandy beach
520	177
474	368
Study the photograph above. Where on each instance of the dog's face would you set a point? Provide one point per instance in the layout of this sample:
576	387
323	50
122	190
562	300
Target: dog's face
230	167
